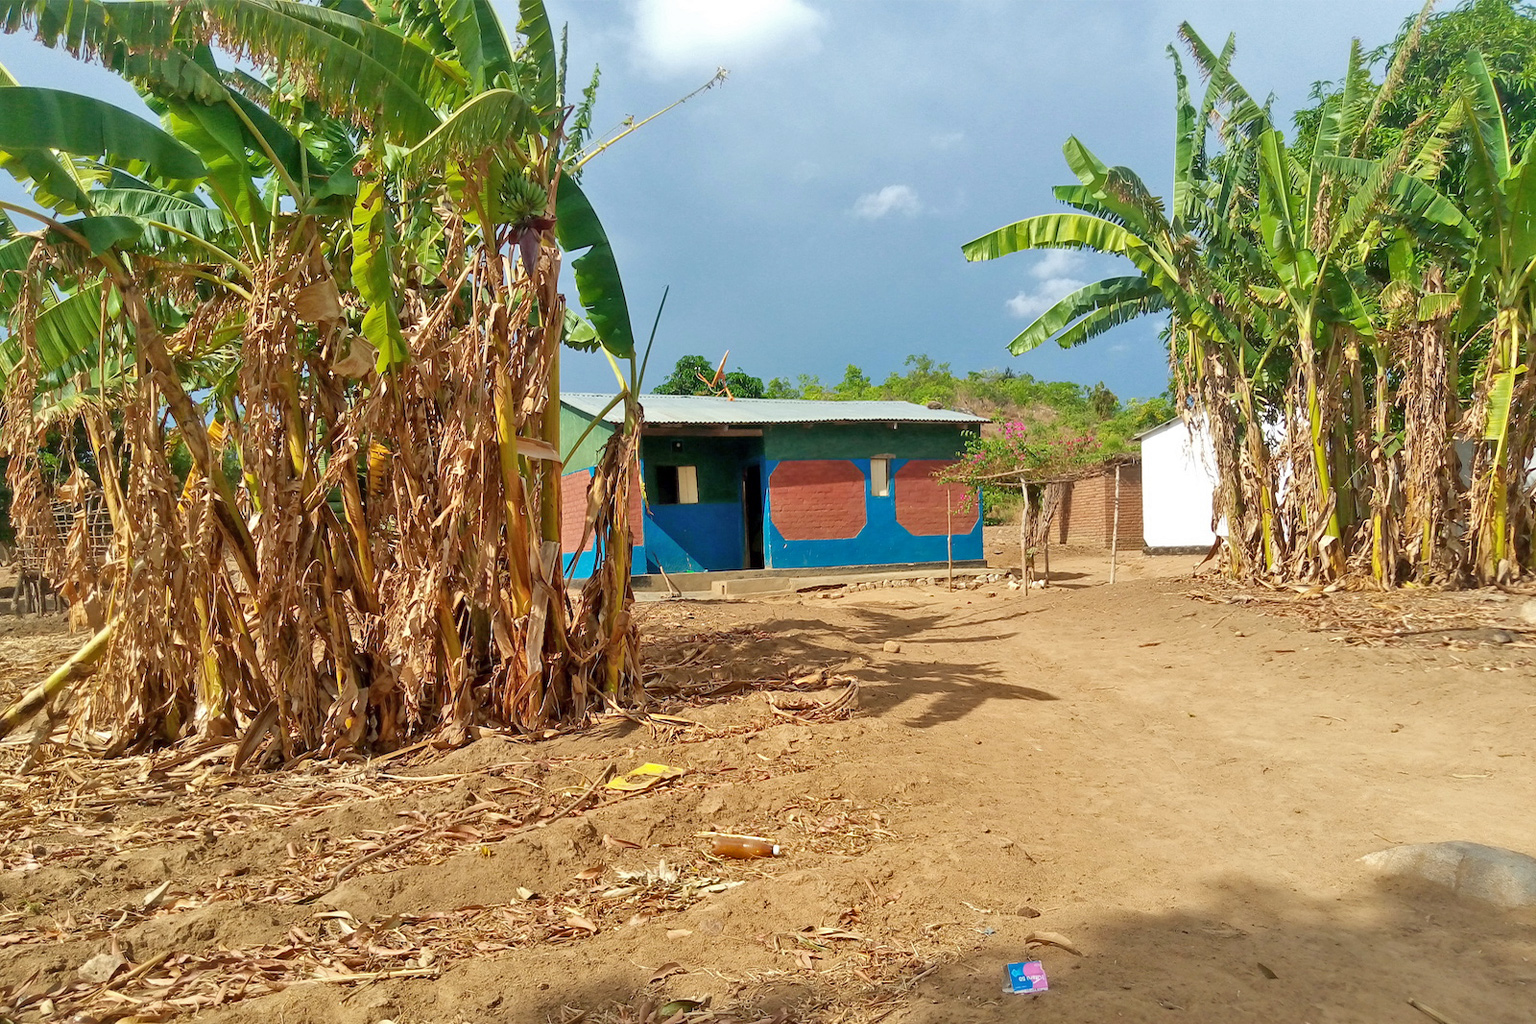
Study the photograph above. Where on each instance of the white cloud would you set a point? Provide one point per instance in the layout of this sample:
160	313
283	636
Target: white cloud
1056	263
891	199
1054	279
690	36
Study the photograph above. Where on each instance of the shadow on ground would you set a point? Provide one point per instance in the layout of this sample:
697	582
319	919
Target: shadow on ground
1358	958
930	690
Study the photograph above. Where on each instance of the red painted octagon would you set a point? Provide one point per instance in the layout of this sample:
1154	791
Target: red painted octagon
920	500
821	499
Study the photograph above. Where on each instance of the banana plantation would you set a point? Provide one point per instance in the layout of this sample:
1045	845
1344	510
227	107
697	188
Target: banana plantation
304	335
1349	317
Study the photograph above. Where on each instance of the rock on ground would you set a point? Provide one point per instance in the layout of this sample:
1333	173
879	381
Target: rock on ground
1483	872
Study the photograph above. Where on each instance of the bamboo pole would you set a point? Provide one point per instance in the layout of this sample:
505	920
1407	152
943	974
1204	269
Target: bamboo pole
33	701
1114	536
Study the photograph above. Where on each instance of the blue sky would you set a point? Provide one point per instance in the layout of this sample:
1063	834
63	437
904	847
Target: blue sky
809	213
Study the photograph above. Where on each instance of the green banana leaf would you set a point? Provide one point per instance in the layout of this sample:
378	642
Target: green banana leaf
343	59
1054	231
14	256
1110	292
55	185
1491	134
1101	320
1183	143
1434	305
539	55
52	119
102	233
67	334
372	274
478	37
497	119
1246	115
598	283
1500	397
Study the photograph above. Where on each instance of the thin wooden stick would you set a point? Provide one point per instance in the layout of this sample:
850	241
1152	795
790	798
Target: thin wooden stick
949	536
1433	1015
1024	535
1114	537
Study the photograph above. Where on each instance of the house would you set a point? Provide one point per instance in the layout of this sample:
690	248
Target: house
781	484
1178	485
1087	517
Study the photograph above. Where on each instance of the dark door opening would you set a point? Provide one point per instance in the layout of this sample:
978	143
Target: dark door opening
752	515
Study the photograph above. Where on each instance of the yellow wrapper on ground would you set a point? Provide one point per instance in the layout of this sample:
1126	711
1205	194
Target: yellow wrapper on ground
644	777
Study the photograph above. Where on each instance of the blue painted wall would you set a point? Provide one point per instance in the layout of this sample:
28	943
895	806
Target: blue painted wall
706	536
580	566
882	541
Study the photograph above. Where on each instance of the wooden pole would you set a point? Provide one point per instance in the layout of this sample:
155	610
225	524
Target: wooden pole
949	536
1024	535
1045	552
1114	537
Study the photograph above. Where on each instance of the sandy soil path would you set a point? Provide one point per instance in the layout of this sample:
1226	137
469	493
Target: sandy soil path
1181	787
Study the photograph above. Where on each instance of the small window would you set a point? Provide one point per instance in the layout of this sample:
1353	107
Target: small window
880	477
677	485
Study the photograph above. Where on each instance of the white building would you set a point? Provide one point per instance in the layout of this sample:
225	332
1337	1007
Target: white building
1178	481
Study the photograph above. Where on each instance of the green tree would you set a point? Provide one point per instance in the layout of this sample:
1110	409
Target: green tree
1103	401
1435	74
692	376
854	385
744	385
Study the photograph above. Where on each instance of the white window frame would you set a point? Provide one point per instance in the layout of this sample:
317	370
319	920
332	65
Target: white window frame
687	485
880	476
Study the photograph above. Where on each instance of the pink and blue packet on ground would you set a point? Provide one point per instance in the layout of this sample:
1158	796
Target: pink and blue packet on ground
1027	977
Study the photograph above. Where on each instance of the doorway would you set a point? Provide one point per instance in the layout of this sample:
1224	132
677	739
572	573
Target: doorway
752	515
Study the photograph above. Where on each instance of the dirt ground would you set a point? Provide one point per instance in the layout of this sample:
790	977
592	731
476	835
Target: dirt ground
1173	776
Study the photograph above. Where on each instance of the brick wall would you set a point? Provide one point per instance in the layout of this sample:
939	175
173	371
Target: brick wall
817	499
1087	513
573	509
931	508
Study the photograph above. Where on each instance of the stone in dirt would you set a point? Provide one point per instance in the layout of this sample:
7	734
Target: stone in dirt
892	647
1486	873
100	968
1528	611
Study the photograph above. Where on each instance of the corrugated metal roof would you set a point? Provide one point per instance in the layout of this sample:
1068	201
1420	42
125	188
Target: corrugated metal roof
692	410
1155	430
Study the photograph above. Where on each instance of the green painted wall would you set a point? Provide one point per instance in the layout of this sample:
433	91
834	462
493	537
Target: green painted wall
572	423
864	440
719	460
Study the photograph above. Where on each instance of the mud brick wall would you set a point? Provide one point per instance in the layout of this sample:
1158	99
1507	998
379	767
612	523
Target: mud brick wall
573	510
1087	514
818	499
927	507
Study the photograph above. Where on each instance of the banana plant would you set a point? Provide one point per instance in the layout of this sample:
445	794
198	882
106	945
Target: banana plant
272	209
1501	202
